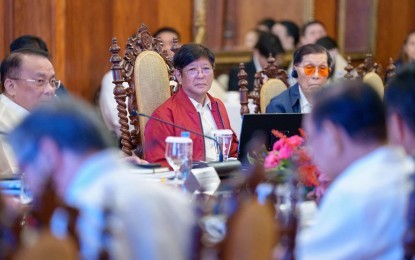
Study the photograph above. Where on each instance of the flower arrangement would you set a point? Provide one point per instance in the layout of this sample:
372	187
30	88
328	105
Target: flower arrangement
289	155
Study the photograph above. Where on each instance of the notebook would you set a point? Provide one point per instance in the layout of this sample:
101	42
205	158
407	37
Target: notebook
256	131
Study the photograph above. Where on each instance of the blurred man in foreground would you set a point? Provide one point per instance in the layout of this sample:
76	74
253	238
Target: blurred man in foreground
66	143
362	214
400	100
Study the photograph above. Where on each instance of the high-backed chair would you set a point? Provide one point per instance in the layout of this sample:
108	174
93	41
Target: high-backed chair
375	81
370	72
367	66
270	89
268	83
149	72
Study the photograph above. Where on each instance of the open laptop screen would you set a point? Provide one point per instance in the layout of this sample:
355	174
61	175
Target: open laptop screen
261	125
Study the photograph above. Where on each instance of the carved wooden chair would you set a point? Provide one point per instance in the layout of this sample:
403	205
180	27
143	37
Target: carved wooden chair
370	72
148	71
264	90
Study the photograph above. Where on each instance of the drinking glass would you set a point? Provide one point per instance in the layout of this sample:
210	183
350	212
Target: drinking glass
178	152
224	139
26	195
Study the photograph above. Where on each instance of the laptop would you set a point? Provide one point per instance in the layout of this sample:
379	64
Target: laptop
256	131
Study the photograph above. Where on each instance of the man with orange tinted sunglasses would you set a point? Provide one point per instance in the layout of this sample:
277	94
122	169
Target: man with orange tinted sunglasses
312	67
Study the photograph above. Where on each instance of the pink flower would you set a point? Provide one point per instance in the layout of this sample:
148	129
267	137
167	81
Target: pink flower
285	152
271	161
295	141
278	145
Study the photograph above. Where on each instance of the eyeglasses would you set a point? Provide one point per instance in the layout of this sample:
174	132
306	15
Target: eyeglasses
42	83
193	72
310	70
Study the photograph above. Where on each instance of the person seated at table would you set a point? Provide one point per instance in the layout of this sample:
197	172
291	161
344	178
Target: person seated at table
339	62
31	41
27	79
310	32
191	107
312	66
107	104
363	213
400	99
65	143
407	54
267	44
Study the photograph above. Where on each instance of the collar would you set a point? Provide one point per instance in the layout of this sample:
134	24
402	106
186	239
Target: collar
199	107
304	104
258	66
16	108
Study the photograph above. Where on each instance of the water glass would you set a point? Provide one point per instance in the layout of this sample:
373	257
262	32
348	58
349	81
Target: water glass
26	195
178	152
224	139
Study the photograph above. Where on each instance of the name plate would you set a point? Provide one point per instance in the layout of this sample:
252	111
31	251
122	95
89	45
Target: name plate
203	179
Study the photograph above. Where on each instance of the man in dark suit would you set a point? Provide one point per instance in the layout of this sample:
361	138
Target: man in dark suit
267	43
312	66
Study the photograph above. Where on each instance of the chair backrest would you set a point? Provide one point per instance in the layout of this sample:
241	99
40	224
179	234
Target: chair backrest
270	72
152	85
368	66
375	81
270	89
370	72
148	71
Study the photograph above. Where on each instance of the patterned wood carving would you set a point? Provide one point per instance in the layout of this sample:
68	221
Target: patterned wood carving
123	71
390	71
271	71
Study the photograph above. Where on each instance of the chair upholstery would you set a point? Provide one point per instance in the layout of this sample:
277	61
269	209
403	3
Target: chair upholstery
375	81
152	86
270	72
270	89
149	73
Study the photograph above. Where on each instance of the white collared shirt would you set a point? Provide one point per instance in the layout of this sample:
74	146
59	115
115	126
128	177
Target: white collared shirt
304	104
11	114
258	66
208	125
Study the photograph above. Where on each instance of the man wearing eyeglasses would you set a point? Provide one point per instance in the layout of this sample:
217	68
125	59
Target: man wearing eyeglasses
192	107
27	79
312	66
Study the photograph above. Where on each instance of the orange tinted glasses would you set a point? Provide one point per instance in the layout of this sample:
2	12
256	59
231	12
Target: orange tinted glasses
309	70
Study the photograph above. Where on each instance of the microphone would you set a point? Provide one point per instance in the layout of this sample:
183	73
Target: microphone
136	113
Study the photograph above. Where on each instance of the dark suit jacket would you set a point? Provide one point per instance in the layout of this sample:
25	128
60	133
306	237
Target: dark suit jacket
233	77
286	102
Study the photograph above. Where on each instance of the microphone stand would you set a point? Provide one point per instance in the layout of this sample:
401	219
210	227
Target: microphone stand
135	113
